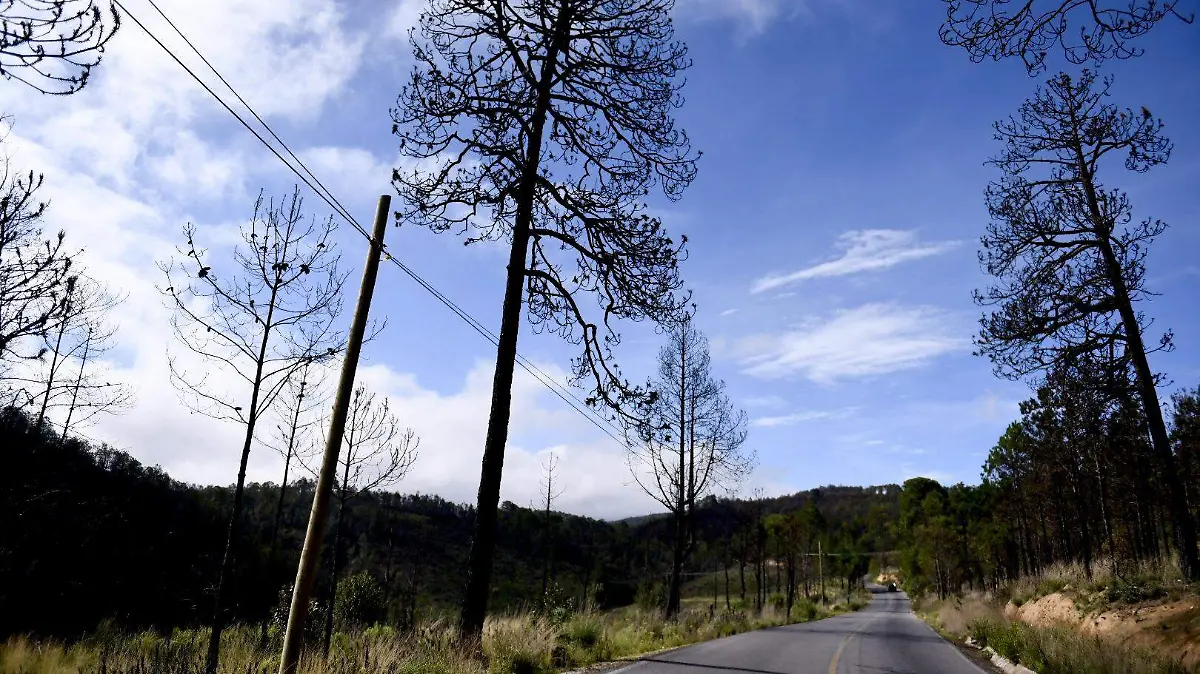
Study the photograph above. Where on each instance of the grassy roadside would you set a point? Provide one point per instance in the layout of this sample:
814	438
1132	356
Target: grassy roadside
517	644
1046	650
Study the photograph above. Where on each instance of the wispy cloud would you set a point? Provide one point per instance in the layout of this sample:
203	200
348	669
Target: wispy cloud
868	340
764	401
862	250
728	312
801	417
752	16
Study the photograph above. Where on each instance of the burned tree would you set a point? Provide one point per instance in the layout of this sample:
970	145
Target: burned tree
688	443
551	493
37	280
299	410
376	453
70	378
547	124
1069	259
1087	31
52	45
257	318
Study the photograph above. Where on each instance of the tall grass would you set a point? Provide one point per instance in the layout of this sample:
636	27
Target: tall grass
1064	651
1127	582
514	644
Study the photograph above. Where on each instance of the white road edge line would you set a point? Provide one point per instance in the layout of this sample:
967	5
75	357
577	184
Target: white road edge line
949	643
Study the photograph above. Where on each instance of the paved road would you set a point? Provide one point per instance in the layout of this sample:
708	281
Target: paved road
884	638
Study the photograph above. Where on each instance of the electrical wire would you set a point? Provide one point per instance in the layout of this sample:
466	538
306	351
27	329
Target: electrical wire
326	195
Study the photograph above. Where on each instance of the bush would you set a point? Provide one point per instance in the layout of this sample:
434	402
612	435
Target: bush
360	601
1049	586
805	610
1134	590
585	631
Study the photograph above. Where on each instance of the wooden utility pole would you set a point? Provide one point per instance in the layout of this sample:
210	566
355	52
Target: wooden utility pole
310	555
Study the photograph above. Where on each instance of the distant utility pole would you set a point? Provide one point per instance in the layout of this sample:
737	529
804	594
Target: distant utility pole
306	574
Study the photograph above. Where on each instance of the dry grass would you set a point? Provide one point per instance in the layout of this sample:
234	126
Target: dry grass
515	644
1057	649
1127	583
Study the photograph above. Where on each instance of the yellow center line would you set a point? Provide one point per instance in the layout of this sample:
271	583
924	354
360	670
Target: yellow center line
833	664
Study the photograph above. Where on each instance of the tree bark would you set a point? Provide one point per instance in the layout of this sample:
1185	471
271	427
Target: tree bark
87	346
483	539
1184	528
273	553
239	494
676	583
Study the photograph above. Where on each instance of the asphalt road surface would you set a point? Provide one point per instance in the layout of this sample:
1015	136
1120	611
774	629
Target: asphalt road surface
883	638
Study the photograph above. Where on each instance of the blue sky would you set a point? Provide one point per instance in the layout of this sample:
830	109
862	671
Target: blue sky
832	231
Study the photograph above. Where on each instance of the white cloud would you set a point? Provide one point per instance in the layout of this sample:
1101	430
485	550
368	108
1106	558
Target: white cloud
868	340
728	312
862	250
801	417
403	17
764	401
752	16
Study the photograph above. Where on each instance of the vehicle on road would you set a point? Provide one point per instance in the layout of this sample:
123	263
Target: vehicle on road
891	587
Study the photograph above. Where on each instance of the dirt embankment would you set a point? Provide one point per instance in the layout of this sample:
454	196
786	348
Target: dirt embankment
1172	628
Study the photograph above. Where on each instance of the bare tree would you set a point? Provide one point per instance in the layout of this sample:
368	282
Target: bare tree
82	337
376	453
552	493
1068	257
37	278
300	409
52	45
547	124
1087	31
267	313
688	443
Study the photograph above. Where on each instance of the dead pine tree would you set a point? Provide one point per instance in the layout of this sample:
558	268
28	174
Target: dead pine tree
376	453
1069	259
1086	31
548	488
52	45
70	377
688	442
300	408
266	311
37	278
546	124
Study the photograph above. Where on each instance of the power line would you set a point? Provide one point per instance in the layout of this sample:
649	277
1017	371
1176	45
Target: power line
326	195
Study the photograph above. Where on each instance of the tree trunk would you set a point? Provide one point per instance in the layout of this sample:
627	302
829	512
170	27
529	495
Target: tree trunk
87	346
239	493
742	573
677	551
41	418
1181	517
1185	532
728	604
483	539
273	553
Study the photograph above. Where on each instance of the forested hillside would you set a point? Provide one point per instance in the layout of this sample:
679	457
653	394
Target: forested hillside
1073	481
91	534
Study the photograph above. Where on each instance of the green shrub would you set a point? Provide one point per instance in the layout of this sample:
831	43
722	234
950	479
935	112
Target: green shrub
1134	590
584	631
1049	586
360	601
805	610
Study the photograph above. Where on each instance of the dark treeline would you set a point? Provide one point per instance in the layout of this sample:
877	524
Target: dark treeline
90	534
1074	481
